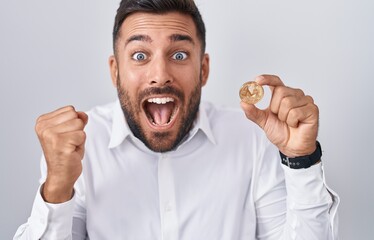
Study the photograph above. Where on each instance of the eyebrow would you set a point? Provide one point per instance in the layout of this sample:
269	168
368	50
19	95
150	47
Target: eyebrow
181	37
143	38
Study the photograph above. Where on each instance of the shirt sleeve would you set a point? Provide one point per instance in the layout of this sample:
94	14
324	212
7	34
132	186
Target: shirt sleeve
311	203
47	221
55	221
293	203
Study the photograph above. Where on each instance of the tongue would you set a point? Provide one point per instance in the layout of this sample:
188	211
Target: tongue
160	112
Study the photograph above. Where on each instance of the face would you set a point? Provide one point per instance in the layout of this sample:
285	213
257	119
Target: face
159	71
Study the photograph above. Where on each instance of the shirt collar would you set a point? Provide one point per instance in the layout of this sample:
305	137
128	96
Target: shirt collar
120	129
202	123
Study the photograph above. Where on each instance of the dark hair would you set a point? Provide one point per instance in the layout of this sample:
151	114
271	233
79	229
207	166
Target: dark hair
188	7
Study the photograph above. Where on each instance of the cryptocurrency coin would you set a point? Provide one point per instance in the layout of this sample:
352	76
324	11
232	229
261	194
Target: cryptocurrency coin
251	92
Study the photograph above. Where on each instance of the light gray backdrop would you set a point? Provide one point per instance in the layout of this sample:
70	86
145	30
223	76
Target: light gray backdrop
55	53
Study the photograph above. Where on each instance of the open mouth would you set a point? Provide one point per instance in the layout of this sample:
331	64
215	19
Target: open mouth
160	111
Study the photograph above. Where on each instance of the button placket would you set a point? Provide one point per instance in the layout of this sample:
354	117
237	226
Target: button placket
169	223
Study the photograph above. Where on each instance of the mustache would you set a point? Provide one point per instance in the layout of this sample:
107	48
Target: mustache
161	90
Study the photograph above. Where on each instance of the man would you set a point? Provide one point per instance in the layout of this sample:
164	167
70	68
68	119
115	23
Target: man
157	164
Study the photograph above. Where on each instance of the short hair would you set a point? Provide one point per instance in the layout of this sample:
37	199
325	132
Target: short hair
128	7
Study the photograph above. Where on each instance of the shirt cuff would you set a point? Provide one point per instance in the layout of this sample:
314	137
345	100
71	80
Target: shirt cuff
51	221
306	185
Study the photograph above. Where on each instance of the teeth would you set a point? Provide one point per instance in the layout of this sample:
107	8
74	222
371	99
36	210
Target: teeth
160	100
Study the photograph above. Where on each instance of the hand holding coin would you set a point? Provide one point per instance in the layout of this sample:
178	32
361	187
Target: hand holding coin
291	119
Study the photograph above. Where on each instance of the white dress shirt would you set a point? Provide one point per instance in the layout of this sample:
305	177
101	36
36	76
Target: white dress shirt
224	182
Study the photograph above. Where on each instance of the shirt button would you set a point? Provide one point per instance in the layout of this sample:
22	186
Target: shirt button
168	207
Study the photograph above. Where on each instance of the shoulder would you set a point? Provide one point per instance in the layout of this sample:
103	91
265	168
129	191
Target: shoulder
240	136
229	120
100	119
102	112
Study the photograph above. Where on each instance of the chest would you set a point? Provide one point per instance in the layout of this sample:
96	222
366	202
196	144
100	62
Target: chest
201	195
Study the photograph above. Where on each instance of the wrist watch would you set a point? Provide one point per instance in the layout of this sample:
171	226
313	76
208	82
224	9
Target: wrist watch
303	161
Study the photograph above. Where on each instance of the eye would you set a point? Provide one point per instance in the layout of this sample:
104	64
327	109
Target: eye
139	56
179	56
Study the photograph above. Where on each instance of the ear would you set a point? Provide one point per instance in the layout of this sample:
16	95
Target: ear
113	70
205	69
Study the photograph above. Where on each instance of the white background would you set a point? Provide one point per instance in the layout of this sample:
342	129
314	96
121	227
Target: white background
55	53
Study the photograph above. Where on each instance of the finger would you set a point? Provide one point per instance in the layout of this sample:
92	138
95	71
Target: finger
84	117
281	92
69	142
290	102
307	114
65	143
269	80
75	138
70	126
56	120
254	114
80	151
56	112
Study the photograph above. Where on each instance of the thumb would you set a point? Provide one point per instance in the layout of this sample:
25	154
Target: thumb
254	114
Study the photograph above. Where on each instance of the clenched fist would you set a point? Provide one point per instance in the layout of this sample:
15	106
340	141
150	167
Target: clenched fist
62	139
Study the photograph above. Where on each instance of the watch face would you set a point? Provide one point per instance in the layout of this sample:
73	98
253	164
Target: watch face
251	92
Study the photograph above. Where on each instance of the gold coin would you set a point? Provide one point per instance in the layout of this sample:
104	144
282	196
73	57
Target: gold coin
251	92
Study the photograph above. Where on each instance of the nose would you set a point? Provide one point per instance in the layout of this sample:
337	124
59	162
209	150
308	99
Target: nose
159	72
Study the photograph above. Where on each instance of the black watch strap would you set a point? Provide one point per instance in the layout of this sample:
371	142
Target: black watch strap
303	161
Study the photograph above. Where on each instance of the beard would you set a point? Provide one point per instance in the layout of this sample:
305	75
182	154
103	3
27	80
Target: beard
160	141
